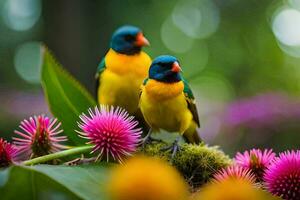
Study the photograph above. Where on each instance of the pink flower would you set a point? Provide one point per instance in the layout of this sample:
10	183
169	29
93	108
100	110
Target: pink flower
235	172
39	136
255	160
112	132
282	178
8	153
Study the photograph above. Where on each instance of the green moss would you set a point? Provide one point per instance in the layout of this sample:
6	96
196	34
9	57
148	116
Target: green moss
197	163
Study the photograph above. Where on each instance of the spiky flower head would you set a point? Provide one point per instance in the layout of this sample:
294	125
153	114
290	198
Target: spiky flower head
8	153
146	178
234	172
255	160
232	189
282	178
38	136
112	132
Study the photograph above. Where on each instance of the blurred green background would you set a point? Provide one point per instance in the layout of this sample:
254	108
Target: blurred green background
242	59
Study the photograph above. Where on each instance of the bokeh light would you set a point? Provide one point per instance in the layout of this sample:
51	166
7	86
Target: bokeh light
286	26
213	86
295	4
290	50
196	18
21	15
27	62
212	91
191	66
174	39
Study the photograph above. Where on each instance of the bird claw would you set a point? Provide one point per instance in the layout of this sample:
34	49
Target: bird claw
149	140
174	148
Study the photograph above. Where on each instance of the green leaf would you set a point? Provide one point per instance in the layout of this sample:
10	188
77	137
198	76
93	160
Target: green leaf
66	97
53	182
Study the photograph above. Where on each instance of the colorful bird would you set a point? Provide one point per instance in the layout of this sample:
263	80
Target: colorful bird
167	102
123	69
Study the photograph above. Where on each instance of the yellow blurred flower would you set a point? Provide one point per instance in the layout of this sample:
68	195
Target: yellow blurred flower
144	178
232	189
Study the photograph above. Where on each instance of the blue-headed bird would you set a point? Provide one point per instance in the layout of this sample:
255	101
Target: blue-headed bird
167	101
123	69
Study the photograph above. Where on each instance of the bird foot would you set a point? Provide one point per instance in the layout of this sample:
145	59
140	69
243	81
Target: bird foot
174	148
148	140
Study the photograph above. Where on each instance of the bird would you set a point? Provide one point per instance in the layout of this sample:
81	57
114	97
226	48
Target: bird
167	101
123	69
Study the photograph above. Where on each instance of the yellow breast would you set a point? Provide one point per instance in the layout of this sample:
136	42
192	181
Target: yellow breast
162	91
121	64
121	80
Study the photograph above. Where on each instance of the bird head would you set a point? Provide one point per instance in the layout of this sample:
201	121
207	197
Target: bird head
128	40
165	68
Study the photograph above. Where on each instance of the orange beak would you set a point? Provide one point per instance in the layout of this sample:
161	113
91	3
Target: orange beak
141	40
176	67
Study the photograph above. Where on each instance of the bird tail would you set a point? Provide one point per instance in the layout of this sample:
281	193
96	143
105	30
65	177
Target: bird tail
191	135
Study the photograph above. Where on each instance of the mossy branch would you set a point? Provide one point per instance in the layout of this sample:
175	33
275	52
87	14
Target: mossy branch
197	163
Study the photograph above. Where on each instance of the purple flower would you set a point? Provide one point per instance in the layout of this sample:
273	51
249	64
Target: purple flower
8	153
112	132
282	178
38	137
262	110
255	160
260	121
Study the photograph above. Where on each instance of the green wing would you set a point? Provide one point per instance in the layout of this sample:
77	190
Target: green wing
101	67
144	83
190	99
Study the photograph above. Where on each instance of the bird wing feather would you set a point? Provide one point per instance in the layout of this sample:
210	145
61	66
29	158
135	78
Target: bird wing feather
142	86
190	99
101	67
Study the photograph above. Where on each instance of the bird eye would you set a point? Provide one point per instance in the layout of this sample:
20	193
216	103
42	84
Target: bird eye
162	64
129	38
167	64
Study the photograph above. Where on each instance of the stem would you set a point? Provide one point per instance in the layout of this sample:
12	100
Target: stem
60	154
